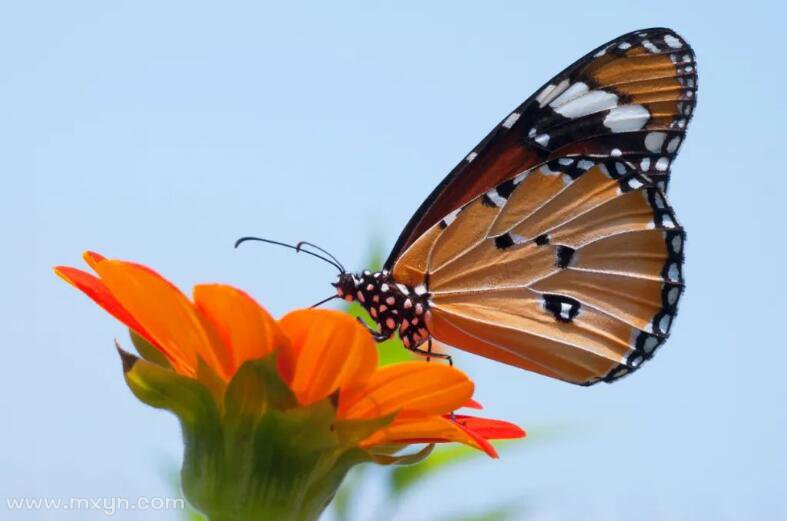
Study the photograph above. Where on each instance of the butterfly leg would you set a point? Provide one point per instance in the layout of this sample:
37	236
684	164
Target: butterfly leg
379	336
429	354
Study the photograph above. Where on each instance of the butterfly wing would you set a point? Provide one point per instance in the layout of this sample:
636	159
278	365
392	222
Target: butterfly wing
571	269
631	98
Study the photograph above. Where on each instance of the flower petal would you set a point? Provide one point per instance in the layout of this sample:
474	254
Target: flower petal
92	258
171	320
408	386
92	286
244	327
472	404
489	428
421	429
332	351
481	442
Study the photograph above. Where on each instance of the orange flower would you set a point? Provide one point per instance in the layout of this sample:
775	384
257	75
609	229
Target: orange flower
321	354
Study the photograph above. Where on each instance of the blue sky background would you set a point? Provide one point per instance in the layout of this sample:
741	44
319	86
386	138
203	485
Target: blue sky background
161	131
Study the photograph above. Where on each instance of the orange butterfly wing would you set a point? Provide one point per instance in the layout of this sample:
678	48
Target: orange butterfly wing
630	98
571	269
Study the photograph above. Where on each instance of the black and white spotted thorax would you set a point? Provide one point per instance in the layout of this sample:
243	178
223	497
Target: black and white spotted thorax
394	306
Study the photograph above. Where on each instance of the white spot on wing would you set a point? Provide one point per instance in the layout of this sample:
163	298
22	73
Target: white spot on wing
650	344
510	120
591	103
516	238
672	146
673	42
654	141
550	92
565	310
677	243
471	156
650	47
662	164
573	92
496	198
672	296
627	118
664	323
451	217
542	140
585	164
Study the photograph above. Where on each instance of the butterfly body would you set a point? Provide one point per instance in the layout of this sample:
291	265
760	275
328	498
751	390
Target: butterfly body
395	307
551	246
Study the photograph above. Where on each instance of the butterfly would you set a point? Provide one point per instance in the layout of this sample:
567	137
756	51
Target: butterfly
551	245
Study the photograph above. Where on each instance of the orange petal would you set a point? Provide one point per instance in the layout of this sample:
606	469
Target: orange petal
96	290
332	351
472	404
489	428
421	429
408	386
92	258
243	326
167	315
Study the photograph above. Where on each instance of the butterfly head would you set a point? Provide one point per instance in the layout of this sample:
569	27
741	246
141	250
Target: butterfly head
346	286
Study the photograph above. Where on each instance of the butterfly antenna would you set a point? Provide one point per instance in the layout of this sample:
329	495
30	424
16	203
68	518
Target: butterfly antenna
323	301
300	245
332	261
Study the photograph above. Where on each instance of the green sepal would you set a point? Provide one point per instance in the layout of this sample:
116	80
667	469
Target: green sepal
323	490
256	388
271	468
147	351
211	381
351	432
405	459
310	427
389	449
162	388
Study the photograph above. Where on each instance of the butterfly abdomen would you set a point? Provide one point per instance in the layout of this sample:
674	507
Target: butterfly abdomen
394	306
